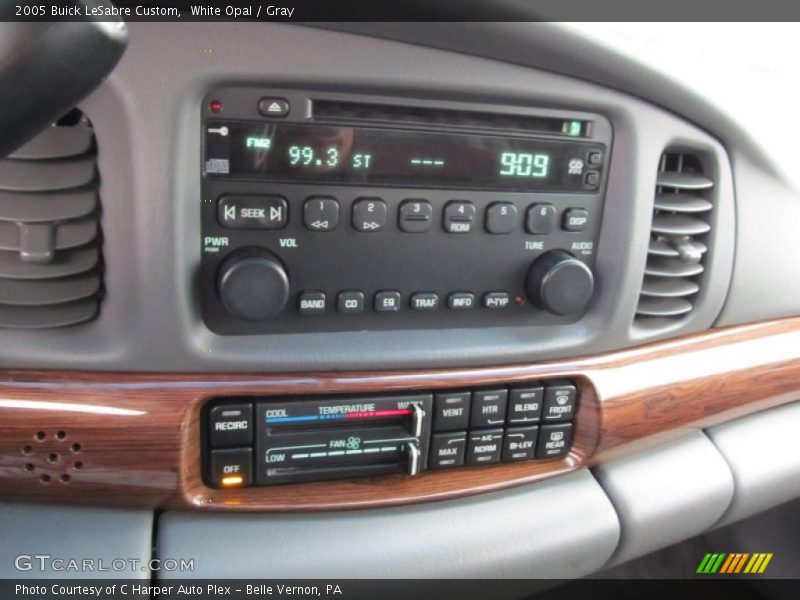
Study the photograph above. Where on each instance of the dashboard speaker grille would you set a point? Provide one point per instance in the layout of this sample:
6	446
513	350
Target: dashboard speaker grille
49	232
678	235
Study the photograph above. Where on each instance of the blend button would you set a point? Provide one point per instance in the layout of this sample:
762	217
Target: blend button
525	405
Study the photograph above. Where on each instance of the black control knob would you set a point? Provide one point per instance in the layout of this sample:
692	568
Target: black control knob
253	284
559	283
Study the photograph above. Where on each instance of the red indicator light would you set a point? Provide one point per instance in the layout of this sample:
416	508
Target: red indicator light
215	106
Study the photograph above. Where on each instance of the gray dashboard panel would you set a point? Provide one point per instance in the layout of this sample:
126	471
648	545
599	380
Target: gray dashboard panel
147	123
62	533
528	532
666	494
763	451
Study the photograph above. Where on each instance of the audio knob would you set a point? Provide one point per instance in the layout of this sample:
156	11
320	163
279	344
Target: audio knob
559	283
253	284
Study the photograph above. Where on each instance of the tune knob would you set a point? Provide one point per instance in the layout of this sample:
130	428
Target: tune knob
559	283
253	284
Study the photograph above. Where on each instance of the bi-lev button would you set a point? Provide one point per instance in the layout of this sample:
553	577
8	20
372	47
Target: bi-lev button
253	212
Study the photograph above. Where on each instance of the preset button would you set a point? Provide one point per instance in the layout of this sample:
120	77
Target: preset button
459	216
415	216
369	214
321	213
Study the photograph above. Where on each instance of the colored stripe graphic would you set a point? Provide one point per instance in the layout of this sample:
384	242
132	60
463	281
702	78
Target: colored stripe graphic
734	562
367	414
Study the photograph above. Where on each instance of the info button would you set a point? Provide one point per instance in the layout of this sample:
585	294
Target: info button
253	212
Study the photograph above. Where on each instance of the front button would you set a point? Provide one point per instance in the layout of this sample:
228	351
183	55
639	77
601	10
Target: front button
496	300
488	408
484	447
253	212
231	468
321	213
461	300
559	402
424	301
459	216
231	425
388	301
415	216
350	302
311	303
273	107
448	450
369	214
451	410
525	405
501	217
519	443
575	219
541	219
554	440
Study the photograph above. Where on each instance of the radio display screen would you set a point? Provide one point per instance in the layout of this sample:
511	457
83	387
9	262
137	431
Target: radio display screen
392	157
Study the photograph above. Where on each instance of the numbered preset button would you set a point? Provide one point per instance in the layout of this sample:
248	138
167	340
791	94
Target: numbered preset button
459	216
369	214
541	219
321	213
416	216
501	217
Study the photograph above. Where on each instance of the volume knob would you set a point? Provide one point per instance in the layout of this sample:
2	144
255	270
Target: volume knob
559	283
253	284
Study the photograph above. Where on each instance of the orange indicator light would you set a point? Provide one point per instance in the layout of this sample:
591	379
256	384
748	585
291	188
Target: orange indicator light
232	480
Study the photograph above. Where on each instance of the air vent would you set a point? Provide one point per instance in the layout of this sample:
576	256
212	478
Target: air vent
49	233
678	237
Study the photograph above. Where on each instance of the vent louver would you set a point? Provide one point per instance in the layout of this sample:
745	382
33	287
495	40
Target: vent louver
49	232
680	227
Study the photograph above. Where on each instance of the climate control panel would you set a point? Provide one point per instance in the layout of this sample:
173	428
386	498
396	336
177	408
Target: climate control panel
261	441
322	217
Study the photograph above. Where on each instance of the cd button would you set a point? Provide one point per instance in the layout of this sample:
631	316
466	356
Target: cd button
459	216
541	219
369	214
424	301
415	216
501	217
252	212
350	302
321	213
273	107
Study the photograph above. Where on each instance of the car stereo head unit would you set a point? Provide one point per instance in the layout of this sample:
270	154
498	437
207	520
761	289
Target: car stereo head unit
336	212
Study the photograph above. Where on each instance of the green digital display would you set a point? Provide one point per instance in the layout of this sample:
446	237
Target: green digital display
384	156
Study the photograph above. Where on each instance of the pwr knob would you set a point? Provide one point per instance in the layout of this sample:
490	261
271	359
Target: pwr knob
253	284
559	283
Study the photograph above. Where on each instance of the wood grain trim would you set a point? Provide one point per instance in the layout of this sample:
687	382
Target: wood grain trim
133	439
